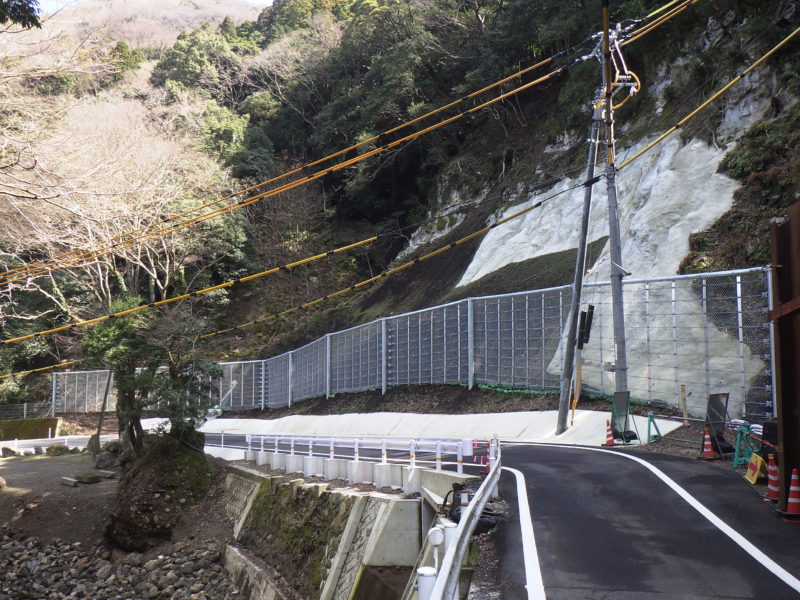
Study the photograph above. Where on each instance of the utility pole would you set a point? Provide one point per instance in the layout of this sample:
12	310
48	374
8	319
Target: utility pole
577	285
615	246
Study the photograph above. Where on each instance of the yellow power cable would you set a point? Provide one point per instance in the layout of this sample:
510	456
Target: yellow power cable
75	256
642	31
402	267
42	369
78	256
705	104
174	299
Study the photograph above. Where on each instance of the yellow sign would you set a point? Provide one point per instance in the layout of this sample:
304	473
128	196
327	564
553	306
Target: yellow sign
755	468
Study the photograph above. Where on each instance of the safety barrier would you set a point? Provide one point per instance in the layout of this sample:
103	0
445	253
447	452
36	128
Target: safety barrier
25	411
708	332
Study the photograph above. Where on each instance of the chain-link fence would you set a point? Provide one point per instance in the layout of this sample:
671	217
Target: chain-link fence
30	410
707	332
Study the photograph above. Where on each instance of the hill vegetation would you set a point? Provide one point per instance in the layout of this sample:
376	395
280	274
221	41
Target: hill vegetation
113	125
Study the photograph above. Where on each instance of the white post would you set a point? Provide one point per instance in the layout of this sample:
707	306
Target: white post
247	437
450	538
49	432
291	372
383	452
470	345
330	451
15	444
412	459
460	460
311	446
291	446
384	347
263	390
222	439
426	579
328	365
25	410
438	456
355	451
53	395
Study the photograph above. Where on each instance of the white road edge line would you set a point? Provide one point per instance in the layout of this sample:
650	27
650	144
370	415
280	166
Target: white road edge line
533	571
734	535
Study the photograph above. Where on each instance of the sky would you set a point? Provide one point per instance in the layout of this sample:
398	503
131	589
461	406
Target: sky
48	6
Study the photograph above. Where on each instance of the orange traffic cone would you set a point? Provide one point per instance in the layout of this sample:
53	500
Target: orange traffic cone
609	436
708	451
792	512
773	493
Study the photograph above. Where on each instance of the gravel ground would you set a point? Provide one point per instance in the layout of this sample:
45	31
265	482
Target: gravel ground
30	568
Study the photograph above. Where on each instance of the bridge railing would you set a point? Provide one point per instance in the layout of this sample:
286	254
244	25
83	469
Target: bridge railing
707	332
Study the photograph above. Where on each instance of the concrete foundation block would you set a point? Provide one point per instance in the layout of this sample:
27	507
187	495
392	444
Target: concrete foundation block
250	455
262	458
412	480
359	472
277	460
334	468
294	463
386	475
312	466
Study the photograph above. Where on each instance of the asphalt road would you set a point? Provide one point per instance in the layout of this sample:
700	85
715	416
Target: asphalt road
607	528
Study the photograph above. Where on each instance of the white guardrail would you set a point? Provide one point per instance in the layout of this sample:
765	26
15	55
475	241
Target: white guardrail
443	584
327	446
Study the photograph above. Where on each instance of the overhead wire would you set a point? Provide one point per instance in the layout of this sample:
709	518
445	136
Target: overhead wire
43	369
402	267
113	244
343	164
709	101
75	257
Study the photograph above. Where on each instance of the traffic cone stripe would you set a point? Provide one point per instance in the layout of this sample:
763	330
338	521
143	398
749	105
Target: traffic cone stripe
793	501
708	450
773	488
609	435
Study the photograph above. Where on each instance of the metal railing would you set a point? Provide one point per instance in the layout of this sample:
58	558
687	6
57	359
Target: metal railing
25	411
708	331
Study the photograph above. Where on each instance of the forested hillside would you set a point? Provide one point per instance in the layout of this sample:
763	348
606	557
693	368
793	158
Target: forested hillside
123	161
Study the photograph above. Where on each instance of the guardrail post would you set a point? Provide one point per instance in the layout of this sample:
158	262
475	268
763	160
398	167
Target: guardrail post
355	451
438	456
494	445
330	451
412	458
383	452
460	460
291	446
311	446
247	439
384	347
222	438
426	579
327	365
470	345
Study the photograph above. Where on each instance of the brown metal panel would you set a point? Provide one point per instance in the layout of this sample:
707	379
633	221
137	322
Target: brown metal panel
785	250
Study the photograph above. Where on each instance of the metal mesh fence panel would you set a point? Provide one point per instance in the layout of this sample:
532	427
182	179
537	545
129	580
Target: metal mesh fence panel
428	346
241	385
356	359
516	338
309	373
276	373
708	332
81	391
30	410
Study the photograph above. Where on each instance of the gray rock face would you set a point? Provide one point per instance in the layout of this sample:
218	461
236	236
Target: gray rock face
30	568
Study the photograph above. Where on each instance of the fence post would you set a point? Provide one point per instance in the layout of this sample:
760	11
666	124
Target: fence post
740	328
291	372
706	353
263	384
327	365
771	325
384	359
54	379
25	410
470	344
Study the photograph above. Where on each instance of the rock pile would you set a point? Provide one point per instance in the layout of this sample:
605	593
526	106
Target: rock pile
32	569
